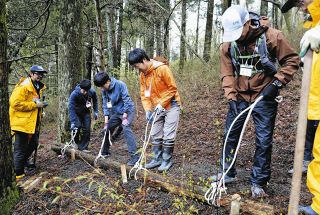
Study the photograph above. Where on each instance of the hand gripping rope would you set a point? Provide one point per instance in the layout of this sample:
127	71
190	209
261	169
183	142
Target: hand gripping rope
139	164
72	143
213	194
102	144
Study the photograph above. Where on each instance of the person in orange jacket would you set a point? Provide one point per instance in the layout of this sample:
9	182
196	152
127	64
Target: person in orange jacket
161	102
25	117
311	39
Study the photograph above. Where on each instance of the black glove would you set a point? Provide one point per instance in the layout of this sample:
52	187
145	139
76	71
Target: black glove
272	91
233	107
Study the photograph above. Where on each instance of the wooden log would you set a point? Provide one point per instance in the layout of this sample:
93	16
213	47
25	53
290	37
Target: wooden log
170	184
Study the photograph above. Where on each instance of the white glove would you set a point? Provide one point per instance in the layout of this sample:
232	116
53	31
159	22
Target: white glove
159	108
310	39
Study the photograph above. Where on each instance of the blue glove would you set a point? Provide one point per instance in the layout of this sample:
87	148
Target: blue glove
96	114
73	127
149	116
272	91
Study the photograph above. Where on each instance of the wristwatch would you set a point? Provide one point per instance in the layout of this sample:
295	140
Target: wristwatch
277	83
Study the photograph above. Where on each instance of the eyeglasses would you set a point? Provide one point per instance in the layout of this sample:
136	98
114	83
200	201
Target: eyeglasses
39	74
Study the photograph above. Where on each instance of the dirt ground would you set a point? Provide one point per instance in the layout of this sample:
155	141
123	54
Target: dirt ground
197	150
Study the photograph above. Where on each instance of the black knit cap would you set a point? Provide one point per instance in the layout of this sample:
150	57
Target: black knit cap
85	84
288	5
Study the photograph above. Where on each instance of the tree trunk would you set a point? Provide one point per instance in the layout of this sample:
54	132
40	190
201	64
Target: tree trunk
8	191
196	45
101	59
275	19
70	59
183	32
149	42
166	47
111	31
225	5
158	30
208	34
264	8
119	34
89	44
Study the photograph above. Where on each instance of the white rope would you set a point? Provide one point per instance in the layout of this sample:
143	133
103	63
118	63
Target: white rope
72	143
101	148
214	193
139	164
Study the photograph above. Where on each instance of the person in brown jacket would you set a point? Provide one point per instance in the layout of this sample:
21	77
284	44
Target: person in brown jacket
250	54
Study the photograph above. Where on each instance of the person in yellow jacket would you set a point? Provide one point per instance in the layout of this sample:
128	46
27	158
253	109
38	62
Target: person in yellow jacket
161	102
25	111
311	39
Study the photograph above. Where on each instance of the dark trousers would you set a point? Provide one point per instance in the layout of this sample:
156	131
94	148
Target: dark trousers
84	123
264	115
24	145
312	126
115	121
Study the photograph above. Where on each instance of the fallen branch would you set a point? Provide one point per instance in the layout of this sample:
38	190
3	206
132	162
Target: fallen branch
170	184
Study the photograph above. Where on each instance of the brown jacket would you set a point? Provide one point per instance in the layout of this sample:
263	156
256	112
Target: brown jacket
249	88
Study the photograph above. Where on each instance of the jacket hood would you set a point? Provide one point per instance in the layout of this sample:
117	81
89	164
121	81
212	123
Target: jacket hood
314	10
28	82
112	83
254	33
155	64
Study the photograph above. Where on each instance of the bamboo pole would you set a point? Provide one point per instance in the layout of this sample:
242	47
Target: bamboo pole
301	135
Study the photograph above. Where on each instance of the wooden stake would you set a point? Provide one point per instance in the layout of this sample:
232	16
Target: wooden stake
301	135
235	204
73	154
124	174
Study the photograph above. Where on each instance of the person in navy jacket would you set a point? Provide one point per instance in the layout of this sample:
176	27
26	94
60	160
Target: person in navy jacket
81	101
118	109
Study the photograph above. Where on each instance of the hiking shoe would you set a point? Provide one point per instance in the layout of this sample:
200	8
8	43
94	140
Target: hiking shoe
307	210
258	191
227	179
304	168
18	177
133	160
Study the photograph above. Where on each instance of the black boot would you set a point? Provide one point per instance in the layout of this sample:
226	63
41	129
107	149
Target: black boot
156	158
166	158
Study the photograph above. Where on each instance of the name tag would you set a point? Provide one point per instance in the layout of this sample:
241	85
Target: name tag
147	93
109	105
246	70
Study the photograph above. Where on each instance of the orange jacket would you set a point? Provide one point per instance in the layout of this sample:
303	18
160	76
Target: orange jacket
163	87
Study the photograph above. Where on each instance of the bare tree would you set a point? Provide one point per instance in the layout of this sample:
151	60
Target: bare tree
183	32
8	190
208	34
264	8
101	59
70	59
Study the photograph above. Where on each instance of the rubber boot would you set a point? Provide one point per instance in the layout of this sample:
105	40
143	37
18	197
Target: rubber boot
156	158
307	210
258	191
166	158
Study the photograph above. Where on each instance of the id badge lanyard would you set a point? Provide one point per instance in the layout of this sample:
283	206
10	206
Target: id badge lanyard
109	104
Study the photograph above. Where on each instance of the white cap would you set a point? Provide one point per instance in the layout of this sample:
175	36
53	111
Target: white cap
233	20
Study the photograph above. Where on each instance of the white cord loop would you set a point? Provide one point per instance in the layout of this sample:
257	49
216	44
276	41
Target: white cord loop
72	143
139	164
101	148
214	193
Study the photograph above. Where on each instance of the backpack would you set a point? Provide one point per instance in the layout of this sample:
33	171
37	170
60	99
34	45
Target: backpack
268	63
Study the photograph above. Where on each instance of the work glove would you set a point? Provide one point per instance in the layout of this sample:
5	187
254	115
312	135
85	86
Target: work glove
233	107
272	91
149	116
125	121
40	104
73	127
310	39
159	109
96	115
105	128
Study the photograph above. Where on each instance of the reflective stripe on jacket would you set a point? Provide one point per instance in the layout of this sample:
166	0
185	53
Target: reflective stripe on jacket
163	87
23	110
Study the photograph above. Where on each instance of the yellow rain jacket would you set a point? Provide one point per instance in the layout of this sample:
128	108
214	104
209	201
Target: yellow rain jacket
23	110
313	177
159	83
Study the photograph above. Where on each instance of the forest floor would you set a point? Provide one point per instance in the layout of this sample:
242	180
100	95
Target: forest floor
84	190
